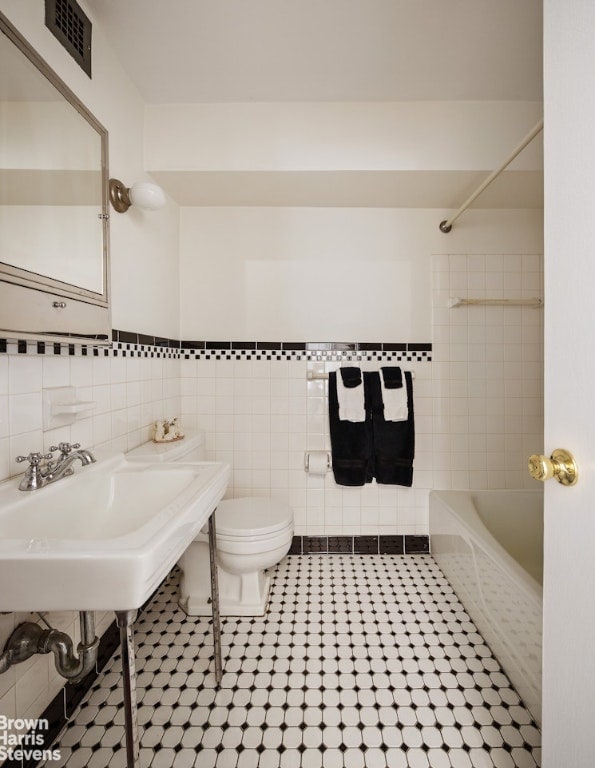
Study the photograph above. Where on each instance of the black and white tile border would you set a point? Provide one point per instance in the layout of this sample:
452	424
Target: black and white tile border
360	545
307	355
128	344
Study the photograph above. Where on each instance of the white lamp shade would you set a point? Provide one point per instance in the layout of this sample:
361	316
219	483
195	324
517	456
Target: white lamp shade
147	195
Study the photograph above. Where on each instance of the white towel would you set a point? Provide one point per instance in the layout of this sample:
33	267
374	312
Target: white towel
395	401
351	401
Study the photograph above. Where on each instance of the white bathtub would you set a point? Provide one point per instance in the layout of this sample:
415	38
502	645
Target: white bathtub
489	545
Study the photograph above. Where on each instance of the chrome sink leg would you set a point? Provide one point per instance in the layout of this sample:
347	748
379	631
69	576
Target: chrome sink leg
125	621
215	601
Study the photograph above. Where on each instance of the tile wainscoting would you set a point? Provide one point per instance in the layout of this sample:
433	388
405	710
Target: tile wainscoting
258	410
261	413
252	399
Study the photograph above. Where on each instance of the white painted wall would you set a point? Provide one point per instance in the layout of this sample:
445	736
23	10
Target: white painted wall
322	273
326	274
381	136
143	246
367	154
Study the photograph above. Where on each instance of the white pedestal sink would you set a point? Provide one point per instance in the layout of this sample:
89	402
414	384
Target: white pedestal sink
105	537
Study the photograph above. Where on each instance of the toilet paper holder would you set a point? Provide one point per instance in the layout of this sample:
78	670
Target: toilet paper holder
307	454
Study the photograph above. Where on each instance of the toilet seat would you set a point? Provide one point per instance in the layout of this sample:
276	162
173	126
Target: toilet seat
253	535
252	519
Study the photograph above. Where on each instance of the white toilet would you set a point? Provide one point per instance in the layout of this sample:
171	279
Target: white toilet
253	534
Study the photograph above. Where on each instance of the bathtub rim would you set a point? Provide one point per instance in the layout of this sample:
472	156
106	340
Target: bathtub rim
469	519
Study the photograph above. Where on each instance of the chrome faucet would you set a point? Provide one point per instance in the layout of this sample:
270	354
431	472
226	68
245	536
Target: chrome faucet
37	476
63	465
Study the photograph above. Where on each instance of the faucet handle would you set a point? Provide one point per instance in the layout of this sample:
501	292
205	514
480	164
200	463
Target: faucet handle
34	475
65	448
34	458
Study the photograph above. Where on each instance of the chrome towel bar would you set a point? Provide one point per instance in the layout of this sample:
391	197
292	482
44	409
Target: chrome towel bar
536	303
311	375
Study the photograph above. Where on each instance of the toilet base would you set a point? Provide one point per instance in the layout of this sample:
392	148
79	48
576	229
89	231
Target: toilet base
245	594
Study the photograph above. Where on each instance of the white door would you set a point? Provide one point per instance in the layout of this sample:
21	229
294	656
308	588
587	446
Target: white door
569	573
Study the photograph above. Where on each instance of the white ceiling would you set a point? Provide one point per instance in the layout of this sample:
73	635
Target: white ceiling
327	50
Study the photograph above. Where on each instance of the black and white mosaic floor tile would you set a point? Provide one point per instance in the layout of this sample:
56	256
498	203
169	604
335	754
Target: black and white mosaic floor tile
361	662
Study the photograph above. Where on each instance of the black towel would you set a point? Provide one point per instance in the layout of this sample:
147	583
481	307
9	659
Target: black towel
393	441
393	377
352	376
351	442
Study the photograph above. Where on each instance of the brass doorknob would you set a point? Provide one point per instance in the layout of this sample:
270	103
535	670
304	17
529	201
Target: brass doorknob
561	465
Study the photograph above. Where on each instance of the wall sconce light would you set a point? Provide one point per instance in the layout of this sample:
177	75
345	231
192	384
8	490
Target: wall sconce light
143	194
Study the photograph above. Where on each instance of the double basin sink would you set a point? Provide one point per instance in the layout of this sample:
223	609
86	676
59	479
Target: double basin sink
105	537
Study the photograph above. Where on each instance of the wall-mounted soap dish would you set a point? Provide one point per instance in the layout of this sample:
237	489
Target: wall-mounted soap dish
61	407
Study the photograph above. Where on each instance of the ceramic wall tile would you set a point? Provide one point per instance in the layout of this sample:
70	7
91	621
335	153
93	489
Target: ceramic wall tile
496	353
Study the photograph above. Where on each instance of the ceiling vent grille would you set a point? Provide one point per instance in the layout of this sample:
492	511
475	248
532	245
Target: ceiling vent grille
68	23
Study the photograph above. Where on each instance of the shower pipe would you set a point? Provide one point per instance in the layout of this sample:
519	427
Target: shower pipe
446	225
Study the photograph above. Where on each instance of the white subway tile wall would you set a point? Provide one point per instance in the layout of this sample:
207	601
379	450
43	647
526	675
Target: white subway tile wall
488	371
261	416
130	394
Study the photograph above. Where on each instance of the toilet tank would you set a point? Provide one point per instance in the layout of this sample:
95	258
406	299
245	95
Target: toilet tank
190	448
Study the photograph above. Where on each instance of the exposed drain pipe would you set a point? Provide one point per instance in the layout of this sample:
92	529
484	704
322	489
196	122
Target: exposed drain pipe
29	638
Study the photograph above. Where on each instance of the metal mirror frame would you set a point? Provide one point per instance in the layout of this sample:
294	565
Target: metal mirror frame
34	306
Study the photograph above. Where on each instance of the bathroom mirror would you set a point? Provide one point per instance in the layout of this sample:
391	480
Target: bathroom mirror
53	204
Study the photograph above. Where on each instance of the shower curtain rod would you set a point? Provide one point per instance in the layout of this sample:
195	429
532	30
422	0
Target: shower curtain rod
446	225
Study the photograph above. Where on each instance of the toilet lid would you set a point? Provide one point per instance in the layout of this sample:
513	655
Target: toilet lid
252	517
